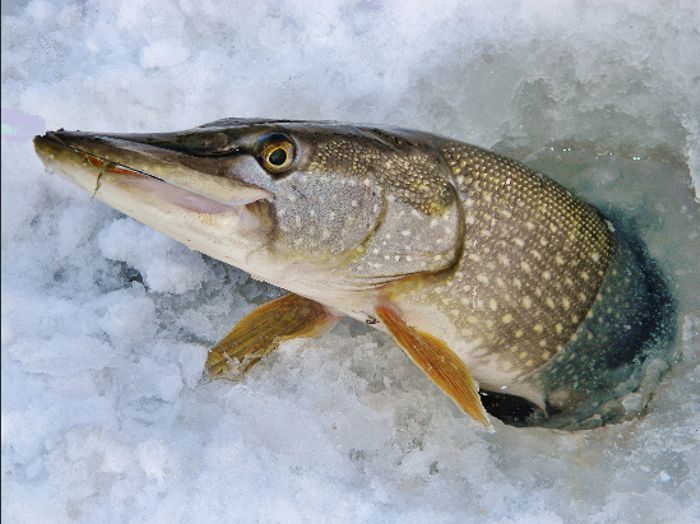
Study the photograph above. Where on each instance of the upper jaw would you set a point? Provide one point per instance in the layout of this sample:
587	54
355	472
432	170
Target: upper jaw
86	157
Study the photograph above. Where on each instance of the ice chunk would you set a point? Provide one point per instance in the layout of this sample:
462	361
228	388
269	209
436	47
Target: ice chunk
167	267
105	323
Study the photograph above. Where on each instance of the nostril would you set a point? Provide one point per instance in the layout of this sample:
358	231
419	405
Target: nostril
56	136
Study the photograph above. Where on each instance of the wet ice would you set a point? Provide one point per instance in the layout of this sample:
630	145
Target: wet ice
104	415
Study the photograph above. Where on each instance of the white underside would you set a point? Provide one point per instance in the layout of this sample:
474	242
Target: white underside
219	231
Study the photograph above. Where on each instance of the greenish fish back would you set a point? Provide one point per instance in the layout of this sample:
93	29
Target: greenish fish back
533	262
631	320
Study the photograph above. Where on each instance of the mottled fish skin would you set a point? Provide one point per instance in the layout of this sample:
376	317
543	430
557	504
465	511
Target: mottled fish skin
559	305
527	284
533	261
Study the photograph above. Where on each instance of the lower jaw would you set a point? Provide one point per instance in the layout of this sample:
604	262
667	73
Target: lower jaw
96	177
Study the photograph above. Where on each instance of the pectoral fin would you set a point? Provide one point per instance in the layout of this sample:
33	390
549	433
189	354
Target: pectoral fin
437	361
262	330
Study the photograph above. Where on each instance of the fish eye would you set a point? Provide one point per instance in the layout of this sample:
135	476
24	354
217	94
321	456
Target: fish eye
277	155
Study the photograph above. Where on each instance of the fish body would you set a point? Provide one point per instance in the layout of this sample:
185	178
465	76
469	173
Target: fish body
478	266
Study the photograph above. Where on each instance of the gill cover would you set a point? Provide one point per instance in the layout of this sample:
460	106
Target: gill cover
370	205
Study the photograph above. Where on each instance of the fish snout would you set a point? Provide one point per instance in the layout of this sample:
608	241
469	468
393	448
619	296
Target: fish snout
48	143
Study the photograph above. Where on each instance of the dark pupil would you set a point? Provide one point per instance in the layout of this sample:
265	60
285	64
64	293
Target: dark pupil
278	157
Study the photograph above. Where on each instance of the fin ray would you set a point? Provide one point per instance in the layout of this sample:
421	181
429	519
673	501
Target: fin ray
437	361
263	329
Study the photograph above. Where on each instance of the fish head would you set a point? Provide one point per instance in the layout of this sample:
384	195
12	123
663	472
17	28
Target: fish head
281	199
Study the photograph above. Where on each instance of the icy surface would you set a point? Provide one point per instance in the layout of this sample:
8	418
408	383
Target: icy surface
105	324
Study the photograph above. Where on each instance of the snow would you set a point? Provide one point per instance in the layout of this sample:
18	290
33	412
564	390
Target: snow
166	267
106	324
164	53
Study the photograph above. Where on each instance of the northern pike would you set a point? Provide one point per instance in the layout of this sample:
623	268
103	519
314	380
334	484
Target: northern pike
489	275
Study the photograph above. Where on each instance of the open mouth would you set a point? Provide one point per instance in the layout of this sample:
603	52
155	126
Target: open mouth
66	152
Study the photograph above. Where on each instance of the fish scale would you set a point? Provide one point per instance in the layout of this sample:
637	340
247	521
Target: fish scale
488	274
515	330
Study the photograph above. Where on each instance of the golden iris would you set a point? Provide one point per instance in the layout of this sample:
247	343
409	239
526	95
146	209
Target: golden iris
277	157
